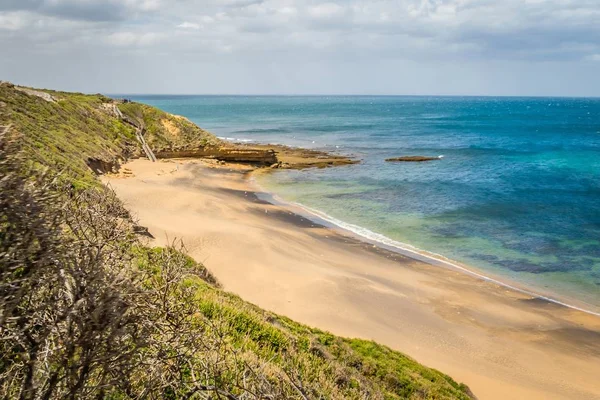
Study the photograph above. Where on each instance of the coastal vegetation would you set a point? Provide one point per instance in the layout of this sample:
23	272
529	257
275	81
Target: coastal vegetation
89	310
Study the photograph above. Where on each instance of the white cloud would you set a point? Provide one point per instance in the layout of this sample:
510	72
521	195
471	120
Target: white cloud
288	11
189	25
13	21
132	39
593	57
145	5
326	10
323	32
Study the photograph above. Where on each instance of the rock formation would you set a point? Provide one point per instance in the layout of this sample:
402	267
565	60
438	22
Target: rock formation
413	159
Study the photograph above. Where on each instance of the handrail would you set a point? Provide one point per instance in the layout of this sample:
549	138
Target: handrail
139	132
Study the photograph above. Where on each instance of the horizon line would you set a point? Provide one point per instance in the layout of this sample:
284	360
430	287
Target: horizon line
115	94
348	95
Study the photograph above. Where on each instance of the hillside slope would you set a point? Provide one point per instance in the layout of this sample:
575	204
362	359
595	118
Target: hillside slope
83	134
184	337
67	132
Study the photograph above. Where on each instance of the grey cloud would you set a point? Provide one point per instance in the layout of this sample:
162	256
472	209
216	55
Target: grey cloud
240	3
330	35
86	10
16	5
472	28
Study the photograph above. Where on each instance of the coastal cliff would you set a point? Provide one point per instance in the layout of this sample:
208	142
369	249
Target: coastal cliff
93	134
224	153
118	319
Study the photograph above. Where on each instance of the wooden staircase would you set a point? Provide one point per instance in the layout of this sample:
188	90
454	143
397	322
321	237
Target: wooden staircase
140	129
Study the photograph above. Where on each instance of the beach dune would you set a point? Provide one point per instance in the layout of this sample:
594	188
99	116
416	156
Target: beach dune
502	343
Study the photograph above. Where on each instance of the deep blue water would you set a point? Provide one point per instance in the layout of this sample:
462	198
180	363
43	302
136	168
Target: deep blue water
516	194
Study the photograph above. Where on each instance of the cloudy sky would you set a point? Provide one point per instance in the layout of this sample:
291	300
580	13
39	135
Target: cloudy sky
471	47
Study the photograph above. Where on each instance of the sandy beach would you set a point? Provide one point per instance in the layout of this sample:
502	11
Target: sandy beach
502	343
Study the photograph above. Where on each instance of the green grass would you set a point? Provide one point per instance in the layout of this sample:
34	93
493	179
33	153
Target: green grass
63	136
182	132
328	366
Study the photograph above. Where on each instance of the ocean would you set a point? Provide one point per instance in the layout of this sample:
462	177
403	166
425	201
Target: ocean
516	194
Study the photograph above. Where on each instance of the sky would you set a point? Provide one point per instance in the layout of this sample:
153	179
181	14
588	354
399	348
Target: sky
403	47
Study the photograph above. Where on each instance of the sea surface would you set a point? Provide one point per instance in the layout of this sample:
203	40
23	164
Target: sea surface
516	194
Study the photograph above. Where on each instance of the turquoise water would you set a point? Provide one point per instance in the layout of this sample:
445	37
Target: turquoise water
517	192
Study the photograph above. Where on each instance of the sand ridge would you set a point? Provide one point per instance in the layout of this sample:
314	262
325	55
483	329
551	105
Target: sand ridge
502	343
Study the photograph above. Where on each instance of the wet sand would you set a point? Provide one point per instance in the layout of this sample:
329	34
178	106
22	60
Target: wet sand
502	343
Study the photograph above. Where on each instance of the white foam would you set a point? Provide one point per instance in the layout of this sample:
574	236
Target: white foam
239	140
422	255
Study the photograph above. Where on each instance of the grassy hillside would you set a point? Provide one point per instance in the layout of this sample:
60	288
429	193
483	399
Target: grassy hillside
166	131
323	365
76	130
119	320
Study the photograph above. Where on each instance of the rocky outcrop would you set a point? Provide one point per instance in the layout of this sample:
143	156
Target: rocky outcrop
227	154
413	159
102	166
142	231
46	96
298	158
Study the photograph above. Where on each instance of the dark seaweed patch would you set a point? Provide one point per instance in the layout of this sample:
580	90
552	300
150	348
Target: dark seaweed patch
523	265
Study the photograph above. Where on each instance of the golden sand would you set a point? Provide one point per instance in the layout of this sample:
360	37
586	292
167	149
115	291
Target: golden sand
502	343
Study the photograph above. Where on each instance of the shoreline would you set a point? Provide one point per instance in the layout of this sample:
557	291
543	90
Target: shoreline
418	254
499	341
